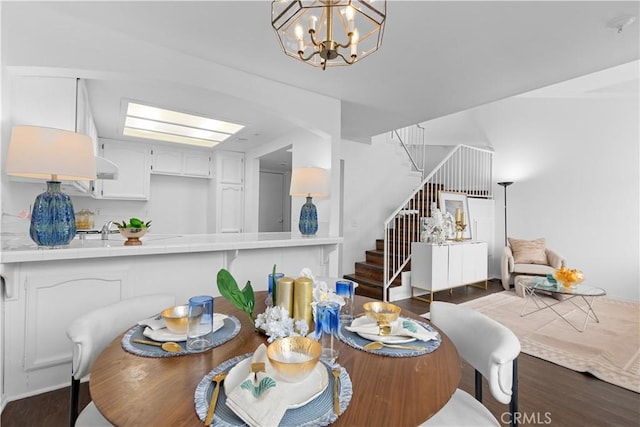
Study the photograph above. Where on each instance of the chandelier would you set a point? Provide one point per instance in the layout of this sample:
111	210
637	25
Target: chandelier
328	33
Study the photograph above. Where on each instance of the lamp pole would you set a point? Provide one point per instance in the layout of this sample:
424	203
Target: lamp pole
505	184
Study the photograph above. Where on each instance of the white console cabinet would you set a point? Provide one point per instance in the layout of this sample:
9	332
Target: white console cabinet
446	266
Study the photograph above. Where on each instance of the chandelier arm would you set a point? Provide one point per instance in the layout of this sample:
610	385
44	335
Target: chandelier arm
344	46
313	39
353	58
317	52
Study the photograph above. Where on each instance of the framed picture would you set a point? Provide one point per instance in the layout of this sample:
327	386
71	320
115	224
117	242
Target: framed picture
449	202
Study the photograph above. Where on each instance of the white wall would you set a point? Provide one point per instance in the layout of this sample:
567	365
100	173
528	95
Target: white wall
377	179
575	167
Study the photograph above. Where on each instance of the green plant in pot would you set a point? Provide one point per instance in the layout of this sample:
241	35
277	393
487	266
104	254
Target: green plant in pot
133	230
134	223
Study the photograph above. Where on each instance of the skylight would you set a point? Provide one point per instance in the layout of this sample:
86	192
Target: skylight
143	121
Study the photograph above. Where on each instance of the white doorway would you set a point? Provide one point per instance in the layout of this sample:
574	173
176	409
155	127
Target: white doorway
274	203
271	211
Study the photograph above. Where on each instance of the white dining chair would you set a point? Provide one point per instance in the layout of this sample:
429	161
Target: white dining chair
492	349
92	332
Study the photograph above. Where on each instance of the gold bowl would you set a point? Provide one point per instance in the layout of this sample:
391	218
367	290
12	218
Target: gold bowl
381	311
294	358
569	278
176	318
133	235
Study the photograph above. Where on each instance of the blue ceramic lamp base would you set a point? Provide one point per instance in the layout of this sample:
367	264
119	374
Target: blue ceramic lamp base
53	222
308	224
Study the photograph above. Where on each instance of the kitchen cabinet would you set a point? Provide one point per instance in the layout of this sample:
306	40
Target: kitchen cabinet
166	161
229	167
229	192
44	101
230	208
437	267
133	160
196	164
181	162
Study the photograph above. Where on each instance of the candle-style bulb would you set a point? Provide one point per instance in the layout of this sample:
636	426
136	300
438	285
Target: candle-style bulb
312	22
299	34
349	13
354	43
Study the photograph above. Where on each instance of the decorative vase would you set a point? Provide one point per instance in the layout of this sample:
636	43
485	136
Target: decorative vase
53	222
308	224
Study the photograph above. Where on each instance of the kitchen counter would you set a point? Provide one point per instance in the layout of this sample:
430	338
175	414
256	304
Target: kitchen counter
21	248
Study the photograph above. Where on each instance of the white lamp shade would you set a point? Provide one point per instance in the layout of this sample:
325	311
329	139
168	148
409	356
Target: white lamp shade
46	153
313	182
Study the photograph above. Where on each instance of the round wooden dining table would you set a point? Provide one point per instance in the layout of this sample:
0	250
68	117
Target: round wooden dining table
131	390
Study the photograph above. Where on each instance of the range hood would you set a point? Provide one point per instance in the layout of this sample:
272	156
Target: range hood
105	169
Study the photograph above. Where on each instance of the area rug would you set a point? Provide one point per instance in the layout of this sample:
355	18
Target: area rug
609	350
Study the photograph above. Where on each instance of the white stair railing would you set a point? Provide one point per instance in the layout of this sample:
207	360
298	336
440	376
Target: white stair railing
465	169
412	139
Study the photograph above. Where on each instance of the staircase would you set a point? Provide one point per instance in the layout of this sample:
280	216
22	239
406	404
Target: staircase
465	169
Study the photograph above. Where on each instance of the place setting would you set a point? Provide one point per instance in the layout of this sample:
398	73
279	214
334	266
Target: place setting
285	383
381	330
180	330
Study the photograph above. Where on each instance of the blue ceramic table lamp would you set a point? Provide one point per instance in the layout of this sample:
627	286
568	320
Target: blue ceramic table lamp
54	155
309	182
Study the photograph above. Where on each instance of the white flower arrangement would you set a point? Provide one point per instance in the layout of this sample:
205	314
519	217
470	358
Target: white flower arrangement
276	321
438	227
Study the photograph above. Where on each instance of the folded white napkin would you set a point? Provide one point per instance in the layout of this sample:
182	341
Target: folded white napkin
155	322
401	328
163	334
265	408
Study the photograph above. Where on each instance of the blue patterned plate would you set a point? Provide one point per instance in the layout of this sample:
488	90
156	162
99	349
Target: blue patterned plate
356	341
229	330
316	413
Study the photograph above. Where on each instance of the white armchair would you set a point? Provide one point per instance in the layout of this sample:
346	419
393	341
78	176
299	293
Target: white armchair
511	265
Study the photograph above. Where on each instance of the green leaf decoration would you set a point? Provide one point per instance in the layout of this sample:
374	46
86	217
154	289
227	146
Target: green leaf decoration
551	279
249	297
265	384
133	223
409	326
243	300
229	289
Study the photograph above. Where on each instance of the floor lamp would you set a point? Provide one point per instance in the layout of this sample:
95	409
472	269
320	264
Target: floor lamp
505	184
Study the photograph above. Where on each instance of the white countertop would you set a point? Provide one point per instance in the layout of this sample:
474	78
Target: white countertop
20	248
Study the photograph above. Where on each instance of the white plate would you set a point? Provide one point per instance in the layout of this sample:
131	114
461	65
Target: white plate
387	339
299	393
164	334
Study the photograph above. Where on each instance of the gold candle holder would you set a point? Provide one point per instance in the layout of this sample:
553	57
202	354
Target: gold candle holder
460	226
284	294
302	297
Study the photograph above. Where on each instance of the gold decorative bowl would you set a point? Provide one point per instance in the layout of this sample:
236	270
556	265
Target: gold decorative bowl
133	235
381	311
568	278
176	318
294	357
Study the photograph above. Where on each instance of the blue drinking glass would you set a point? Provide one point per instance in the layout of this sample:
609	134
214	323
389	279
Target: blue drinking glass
345	289
327	328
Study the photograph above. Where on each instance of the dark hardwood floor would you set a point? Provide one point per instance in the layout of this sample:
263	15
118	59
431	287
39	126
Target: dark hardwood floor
548	394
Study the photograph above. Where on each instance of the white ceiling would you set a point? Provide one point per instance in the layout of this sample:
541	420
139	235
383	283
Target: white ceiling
437	58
